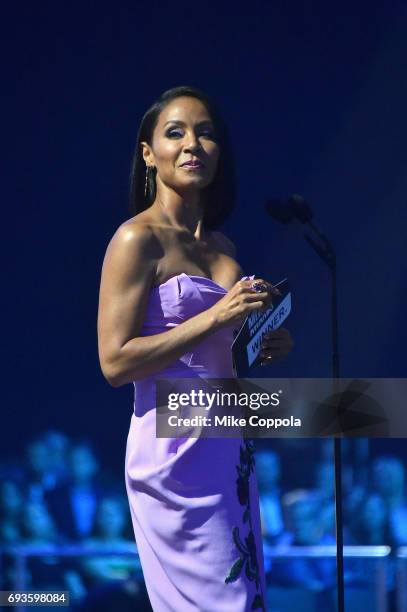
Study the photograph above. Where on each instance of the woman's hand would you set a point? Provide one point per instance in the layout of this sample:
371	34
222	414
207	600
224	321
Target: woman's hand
276	345
243	298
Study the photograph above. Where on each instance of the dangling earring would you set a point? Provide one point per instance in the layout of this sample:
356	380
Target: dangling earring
147	178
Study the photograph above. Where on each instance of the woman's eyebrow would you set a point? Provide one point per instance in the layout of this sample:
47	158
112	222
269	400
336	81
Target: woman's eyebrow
182	123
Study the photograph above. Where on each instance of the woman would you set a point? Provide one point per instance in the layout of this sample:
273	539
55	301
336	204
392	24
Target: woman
171	295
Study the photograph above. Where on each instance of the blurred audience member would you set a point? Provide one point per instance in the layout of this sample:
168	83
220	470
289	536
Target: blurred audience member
114	581
38	525
370	526
353	494
73	503
46	571
325	488
305	528
58	449
111	524
324	480
40	478
11	505
388	479
268	469
11	508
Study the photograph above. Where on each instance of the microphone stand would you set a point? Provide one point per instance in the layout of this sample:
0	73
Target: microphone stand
325	251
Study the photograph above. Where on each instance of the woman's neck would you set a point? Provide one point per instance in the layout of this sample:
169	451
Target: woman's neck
181	213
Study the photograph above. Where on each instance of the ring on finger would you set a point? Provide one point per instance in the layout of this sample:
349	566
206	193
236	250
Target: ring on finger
258	286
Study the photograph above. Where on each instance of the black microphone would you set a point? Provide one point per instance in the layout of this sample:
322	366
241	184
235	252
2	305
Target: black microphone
295	210
288	211
278	210
300	208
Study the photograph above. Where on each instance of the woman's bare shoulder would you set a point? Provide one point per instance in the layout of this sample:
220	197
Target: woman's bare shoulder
131	256
137	234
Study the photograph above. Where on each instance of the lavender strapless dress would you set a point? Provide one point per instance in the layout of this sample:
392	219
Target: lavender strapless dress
194	502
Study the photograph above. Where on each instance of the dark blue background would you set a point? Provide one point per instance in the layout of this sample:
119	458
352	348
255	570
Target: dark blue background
315	96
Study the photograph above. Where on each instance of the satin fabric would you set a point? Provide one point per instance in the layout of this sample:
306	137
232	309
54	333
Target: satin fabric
183	493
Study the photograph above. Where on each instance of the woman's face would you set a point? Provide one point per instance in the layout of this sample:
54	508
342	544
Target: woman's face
184	132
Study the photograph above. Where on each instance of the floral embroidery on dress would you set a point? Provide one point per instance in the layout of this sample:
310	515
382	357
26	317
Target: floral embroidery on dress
246	547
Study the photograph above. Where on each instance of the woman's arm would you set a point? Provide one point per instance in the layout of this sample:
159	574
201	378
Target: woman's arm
127	275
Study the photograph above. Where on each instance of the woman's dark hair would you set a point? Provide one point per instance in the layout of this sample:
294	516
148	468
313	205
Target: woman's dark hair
220	194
